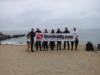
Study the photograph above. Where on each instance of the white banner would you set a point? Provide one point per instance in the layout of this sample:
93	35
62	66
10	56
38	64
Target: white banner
54	37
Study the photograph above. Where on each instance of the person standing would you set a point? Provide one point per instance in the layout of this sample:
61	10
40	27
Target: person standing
32	35
58	42
45	43
38	42
66	31
52	43
76	39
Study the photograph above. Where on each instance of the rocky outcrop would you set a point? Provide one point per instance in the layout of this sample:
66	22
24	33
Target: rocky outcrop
19	35
3	37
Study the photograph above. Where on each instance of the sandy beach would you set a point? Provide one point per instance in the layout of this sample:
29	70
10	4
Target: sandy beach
15	60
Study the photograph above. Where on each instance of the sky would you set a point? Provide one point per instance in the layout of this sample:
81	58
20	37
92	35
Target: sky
26	14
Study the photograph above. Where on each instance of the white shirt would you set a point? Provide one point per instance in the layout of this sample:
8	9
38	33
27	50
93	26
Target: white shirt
75	34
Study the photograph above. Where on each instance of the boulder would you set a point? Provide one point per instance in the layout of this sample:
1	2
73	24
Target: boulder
89	46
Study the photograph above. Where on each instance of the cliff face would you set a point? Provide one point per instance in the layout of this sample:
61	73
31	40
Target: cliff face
3	37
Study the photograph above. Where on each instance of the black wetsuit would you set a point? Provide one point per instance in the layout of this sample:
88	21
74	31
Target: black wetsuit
32	35
76	43
45	45
58	42
52	43
67	32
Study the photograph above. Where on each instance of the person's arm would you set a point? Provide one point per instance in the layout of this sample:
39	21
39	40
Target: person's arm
28	35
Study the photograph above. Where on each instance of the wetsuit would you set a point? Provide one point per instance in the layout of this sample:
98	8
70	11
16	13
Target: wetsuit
68	45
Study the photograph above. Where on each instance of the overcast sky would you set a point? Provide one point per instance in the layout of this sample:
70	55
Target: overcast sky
23	14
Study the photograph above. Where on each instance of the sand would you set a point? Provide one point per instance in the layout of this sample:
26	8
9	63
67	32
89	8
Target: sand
15	60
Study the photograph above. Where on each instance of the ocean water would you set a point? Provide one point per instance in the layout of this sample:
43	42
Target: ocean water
92	35
85	35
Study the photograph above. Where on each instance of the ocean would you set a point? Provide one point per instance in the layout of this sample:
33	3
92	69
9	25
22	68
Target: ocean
85	35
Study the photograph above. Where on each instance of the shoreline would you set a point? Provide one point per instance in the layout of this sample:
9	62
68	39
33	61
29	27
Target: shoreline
80	47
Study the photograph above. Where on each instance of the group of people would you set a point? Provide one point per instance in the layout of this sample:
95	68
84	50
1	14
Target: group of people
44	45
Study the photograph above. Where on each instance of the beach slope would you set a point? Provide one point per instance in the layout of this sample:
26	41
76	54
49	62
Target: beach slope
15	60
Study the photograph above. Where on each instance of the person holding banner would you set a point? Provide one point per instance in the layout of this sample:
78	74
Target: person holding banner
52	43
76	39
66	32
58	42
38	42
45	43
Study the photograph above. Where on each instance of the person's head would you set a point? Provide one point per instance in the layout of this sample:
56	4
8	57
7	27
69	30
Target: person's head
74	29
32	29
45	30
37	29
58	29
66	29
52	31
